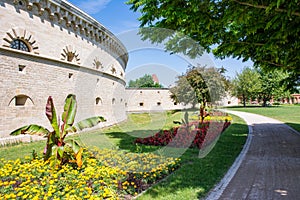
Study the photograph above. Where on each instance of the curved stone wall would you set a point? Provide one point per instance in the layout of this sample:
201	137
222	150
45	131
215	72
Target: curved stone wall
49	47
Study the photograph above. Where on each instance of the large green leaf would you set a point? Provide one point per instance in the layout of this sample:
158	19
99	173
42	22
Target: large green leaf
86	123
69	113
54	158
32	129
73	144
51	114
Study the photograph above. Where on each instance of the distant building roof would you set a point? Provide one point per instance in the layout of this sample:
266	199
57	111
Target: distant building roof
154	78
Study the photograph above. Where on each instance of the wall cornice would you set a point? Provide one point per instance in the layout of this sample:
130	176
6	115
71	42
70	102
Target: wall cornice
77	21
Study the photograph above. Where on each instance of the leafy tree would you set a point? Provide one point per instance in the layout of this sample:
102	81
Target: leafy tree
216	82
267	32
247	84
183	92
272	85
198	85
144	82
260	84
58	149
225	80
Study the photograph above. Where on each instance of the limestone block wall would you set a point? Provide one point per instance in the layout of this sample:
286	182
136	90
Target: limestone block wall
228	100
150	99
51	48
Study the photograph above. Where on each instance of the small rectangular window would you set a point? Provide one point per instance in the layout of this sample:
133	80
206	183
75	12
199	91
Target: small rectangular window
71	76
22	68
141	104
158	103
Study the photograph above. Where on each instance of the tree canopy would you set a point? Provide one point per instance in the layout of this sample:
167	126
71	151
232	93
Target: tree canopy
267	32
198	85
261	85
144	82
246	84
272	85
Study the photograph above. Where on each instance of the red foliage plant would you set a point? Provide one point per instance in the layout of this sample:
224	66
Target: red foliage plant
195	134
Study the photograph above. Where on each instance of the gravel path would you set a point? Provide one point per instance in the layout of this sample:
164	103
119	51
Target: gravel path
268	168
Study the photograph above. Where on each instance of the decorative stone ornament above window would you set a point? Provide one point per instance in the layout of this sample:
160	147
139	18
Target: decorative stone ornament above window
113	69
97	63
70	55
20	39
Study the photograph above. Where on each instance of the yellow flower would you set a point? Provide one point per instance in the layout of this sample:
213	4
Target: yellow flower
20	194
35	198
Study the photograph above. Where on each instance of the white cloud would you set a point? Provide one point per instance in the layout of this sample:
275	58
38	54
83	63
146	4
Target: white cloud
93	6
130	24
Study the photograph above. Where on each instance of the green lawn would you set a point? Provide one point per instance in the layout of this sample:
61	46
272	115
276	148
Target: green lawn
198	175
193	179
289	114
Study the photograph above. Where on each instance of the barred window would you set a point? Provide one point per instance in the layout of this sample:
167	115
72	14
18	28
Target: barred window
19	45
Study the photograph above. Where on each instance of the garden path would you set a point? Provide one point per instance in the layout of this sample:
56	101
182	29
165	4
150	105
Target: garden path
268	167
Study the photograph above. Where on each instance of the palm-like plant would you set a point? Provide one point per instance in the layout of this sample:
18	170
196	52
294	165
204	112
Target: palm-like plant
58	149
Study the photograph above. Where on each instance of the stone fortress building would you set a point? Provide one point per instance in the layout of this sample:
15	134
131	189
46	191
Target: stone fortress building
51	48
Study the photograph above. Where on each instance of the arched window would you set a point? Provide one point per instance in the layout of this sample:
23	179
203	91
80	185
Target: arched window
98	101
19	45
21	100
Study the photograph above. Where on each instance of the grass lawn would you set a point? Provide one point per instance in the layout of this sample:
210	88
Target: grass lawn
192	180
197	176
289	114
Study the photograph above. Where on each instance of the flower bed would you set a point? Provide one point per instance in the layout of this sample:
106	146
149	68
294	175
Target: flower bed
110	174
195	134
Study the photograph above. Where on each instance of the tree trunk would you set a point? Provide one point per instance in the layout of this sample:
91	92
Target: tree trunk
244	100
264	102
202	112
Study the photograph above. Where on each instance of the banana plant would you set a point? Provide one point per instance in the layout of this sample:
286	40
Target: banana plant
59	149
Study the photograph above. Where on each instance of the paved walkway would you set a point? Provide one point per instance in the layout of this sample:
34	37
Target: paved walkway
269	165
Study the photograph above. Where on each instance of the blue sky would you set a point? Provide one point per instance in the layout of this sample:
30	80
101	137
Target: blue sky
144	58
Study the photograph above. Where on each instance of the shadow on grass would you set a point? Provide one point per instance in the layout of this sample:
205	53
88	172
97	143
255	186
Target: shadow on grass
294	126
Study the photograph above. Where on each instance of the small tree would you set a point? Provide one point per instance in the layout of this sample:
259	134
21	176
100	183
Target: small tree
247	84
198	85
272	85
58	149
183	92
144	82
